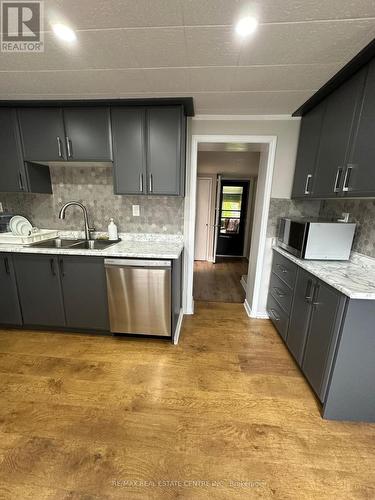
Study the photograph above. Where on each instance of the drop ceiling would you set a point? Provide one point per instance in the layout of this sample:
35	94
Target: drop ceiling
170	48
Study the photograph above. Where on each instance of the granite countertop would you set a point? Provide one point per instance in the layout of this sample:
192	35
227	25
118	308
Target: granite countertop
143	246
354	278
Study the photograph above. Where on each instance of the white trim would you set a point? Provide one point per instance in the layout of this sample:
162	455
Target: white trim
190	211
243	283
250	313
244	117
178	327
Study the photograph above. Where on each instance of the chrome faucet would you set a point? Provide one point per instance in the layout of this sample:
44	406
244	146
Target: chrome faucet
88	229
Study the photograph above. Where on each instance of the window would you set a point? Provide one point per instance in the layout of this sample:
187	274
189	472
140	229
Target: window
231	209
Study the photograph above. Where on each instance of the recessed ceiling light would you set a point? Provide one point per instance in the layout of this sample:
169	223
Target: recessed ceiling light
246	26
63	32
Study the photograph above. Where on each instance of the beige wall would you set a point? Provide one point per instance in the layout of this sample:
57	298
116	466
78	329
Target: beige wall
238	164
287	132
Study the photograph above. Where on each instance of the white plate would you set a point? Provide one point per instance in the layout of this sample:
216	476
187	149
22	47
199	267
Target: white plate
20	226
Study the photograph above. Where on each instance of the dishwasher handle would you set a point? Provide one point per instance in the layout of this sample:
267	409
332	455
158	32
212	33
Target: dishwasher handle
136	263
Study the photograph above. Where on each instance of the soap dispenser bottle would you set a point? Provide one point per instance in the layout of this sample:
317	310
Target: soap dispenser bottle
112	230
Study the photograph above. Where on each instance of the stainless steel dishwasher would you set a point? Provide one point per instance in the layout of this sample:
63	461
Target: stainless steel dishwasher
139	296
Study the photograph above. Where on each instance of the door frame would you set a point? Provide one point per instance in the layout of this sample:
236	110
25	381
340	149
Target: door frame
259	230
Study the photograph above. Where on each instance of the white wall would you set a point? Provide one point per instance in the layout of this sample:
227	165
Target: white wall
238	164
287	132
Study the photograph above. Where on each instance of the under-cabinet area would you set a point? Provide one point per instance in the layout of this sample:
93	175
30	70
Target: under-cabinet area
330	334
74	292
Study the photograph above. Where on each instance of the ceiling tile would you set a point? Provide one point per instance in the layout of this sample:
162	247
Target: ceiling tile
210	12
211	78
211	47
249	103
89	14
307	43
299	77
167	80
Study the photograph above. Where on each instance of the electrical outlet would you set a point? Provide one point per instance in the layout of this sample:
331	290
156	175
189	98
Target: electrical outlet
136	211
1	208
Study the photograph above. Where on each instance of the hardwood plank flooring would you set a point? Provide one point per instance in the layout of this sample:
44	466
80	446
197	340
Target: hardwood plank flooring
220	282
100	417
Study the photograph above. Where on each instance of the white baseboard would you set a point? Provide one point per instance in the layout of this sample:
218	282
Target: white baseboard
189	310
178	327
250	313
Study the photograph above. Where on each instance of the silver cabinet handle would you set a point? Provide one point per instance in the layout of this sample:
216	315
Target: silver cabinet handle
278	291
336	189
141	183
316	295
307	185
59	148
275	316
348	172
150	184
68	147
308	296
282	269
20	182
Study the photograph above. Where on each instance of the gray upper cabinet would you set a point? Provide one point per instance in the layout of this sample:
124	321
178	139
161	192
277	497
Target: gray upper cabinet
308	146
43	135
10	313
87	134
39	289
300	314
327	310
85	292
360	180
165	150
12	171
129	151
342	106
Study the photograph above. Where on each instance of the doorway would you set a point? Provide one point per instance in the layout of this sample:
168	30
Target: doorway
258	258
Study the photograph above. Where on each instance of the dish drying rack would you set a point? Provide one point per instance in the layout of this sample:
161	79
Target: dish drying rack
35	237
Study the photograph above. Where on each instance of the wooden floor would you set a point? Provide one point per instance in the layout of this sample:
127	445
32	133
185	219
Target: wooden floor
82	417
220	282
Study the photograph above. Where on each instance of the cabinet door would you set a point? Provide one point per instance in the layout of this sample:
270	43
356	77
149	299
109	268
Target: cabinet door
85	292
339	117
88	134
10	313
308	146
300	314
12	173
360	180
39	290
42	132
164	151
129	150
327	309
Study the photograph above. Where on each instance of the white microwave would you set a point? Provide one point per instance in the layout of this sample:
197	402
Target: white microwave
316	238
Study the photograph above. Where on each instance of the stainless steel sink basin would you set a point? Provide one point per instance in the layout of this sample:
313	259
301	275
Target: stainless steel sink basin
57	243
81	244
94	244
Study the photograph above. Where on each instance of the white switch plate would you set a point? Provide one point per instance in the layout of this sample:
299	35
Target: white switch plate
1	207
136	211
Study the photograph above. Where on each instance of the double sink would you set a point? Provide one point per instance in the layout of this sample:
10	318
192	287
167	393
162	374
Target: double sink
75	244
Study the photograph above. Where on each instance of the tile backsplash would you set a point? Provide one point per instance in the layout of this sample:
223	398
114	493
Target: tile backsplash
281	207
93	186
362	212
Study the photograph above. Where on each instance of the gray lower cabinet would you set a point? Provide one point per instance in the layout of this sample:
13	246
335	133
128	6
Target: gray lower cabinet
87	134
165	150
43	134
39	289
327	307
300	314
84	292
10	312
129	150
